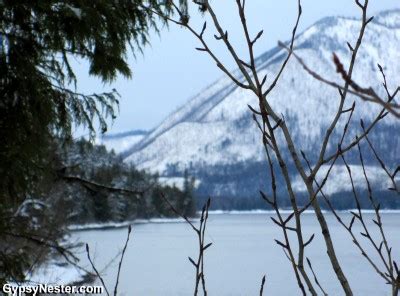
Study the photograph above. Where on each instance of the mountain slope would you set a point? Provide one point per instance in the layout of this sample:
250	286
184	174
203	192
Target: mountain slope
122	141
215	128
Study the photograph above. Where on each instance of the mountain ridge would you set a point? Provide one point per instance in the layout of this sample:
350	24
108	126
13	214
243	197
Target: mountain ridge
215	127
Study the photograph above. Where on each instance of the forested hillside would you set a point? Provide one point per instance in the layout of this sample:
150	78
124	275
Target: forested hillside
88	202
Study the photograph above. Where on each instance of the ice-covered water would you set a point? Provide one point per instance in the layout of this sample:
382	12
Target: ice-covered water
243	250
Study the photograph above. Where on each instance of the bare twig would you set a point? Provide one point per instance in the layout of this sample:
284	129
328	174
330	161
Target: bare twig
119	265
120	261
200	232
95	187
315	277
366	94
262	286
382	164
95	270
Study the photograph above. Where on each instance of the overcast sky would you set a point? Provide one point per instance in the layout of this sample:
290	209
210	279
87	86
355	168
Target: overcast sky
171	71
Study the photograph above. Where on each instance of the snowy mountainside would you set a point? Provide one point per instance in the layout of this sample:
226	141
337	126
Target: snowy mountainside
215	128
121	142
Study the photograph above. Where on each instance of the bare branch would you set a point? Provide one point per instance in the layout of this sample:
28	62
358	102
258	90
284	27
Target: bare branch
95	270
289	53
200	232
120	261
315	277
262	286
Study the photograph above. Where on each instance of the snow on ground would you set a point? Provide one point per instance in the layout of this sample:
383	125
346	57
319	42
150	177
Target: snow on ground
339	181
120	144
176	181
215	127
109	225
57	273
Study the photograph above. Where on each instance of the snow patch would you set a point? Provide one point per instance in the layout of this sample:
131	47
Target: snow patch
339	180
56	273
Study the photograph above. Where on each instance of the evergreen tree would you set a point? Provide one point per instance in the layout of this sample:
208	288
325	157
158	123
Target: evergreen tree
187	204
37	93
39	102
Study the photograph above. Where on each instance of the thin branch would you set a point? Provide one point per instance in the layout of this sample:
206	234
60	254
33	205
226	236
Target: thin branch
122	258
94	186
95	270
366	94
262	286
315	278
289	53
200	232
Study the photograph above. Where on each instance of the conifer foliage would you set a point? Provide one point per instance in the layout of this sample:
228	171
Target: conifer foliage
37	92
40	104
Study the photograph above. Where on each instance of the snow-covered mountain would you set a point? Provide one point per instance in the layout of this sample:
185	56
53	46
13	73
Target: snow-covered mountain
214	129
121	141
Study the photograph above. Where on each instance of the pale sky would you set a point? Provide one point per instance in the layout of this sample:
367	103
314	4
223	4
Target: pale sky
171	71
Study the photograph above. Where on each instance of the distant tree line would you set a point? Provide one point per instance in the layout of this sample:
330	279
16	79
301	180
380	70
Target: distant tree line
340	201
237	186
95	163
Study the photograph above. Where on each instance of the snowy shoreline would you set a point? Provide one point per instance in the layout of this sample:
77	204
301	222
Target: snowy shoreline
289	211
63	273
117	225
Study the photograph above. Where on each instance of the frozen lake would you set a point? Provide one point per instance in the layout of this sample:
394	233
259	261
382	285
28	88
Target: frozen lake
243	250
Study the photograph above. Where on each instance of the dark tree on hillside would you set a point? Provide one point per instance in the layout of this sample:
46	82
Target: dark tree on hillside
187	204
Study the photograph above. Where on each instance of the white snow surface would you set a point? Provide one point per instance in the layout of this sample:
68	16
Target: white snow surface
55	273
176	182
119	144
111	225
289	211
215	126
338	180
